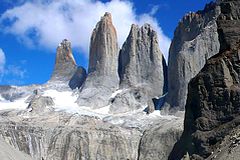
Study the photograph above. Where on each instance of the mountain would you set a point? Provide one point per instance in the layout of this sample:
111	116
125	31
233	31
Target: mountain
66	69
141	71
99	114
195	40
65	64
211	125
102	80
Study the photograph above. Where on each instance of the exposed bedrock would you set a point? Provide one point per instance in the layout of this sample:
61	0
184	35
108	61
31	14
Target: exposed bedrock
195	40
212	109
65	136
141	70
102	78
65	64
66	72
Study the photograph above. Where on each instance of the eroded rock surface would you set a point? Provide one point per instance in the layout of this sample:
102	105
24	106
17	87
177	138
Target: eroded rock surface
212	109
65	64
102	78
58	135
195	40
8	152
141	70
158	141
78	78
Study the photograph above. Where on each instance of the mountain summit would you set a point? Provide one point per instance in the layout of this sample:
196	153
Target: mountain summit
65	64
102	80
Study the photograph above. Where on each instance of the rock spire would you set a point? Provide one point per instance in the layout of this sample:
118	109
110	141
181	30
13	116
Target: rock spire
141	70
102	78
65	64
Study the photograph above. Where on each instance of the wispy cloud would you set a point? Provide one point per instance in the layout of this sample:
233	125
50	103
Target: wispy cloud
10	73
2	62
16	71
46	23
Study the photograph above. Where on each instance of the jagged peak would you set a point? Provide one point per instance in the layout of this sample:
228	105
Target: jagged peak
107	18
64	53
65	63
145	28
65	43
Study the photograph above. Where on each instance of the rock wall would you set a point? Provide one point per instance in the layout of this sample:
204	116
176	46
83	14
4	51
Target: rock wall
141	71
70	137
102	78
7	152
195	40
158	141
65	64
65	136
141	61
212	109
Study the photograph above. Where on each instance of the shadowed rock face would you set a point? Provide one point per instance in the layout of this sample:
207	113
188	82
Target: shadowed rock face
195	40
78	78
102	78
213	103
141	70
65	65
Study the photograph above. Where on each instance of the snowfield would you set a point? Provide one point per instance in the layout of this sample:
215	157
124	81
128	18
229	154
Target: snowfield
65	101
17	105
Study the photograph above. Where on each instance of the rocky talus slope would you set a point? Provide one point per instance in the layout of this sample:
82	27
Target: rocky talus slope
211	125
195	40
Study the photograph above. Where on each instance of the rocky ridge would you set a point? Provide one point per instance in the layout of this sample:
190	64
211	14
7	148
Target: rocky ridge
212	110
45	122
195	40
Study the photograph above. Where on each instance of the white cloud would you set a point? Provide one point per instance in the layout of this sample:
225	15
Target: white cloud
10	72
2	62
47	23
15	71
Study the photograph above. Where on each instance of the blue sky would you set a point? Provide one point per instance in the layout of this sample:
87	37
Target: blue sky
30	30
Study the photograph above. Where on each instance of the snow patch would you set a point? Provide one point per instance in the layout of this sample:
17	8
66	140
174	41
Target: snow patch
18	104
66	101
116	93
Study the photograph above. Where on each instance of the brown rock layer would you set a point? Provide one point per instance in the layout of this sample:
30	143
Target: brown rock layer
213	103
65	64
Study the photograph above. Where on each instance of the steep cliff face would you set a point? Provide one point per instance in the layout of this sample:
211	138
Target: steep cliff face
102	78
78	78
195	40
104	49
141	70
141	61
212	109
158	141
53	135
66	70
8	152
70	137
65	64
